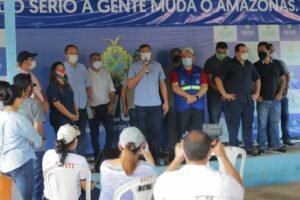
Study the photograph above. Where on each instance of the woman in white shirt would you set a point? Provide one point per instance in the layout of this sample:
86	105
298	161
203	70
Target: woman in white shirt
18	138
66	143
117	172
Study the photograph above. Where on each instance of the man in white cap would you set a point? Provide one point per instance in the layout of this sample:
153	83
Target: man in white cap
189	84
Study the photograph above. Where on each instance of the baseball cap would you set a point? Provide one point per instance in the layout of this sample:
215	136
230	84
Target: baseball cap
133	135
188	50
24	55
67	133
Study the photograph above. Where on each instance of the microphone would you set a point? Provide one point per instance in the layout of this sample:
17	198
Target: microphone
146	62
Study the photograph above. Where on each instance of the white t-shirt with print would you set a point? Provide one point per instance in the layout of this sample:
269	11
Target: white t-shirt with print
195	182
51	158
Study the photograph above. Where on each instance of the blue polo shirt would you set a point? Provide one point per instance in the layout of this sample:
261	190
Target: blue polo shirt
79	80
147	89
238	79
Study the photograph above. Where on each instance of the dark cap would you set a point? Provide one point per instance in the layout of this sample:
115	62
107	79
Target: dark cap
24	55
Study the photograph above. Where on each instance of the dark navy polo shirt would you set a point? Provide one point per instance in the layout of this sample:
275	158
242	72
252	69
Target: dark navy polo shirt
238	79
65	95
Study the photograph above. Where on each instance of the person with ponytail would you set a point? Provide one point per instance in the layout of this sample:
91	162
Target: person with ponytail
117	172
18	138
62	156
3	85
63	109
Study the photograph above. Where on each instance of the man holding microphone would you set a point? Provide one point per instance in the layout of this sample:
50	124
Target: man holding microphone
148	78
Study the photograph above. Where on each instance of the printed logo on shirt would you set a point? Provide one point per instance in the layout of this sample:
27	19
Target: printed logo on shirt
182	82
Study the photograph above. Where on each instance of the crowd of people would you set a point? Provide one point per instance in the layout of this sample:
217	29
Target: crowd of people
77	96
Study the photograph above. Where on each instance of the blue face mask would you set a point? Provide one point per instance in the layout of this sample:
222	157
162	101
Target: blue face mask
187	62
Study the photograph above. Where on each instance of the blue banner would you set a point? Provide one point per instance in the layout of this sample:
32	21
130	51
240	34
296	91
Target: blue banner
112	13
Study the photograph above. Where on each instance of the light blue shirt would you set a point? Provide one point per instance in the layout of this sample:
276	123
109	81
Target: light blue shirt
15	133
113	178
147	89
79	80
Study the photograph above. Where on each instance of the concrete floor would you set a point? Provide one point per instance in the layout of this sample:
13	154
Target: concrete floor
289	191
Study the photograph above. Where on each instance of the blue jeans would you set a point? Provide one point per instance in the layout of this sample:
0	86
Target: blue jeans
235	112
268	111
215	107
38	186
81	123
285	118
23	178
149	120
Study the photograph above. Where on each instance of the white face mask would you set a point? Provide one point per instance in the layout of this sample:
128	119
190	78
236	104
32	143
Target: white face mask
273	55
245	56
146	57
73	59
97	64
33	65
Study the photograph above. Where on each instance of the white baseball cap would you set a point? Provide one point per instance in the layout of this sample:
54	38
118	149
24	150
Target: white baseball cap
67	133
133	135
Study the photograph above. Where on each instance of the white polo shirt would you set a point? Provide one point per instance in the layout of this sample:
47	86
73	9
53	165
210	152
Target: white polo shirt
193	182
102	85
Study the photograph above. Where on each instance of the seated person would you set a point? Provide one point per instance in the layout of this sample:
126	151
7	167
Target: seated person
66	143
196	180
117	172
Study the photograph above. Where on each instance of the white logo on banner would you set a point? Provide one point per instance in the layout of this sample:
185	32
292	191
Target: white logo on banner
268	33
225	33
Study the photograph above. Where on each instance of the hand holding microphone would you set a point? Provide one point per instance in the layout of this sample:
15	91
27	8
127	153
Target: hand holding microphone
146	67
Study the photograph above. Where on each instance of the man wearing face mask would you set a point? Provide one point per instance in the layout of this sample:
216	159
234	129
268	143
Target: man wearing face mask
81	84
215	102
148	78
273	83
189	84
102	104
173	128
235	82
26	63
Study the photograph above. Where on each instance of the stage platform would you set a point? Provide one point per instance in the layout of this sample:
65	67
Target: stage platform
269	169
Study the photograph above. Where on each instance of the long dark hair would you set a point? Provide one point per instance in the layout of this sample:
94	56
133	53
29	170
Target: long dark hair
62	149
8	94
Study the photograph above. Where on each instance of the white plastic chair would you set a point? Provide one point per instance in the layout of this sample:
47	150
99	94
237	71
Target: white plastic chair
141	188
65	180
232	154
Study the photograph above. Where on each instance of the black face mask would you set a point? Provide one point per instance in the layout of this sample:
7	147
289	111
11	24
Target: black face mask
262	55
176	59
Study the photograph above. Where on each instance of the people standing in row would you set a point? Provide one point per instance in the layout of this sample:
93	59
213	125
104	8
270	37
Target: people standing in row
81	85
148	78
273	84
63	108
235	82
215	102
189	84
26	63
102	103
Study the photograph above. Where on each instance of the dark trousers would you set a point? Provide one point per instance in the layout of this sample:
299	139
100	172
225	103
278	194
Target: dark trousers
215	107
132	117
81	123
149	121
173	128
38	185
235	112
101	116
191	119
